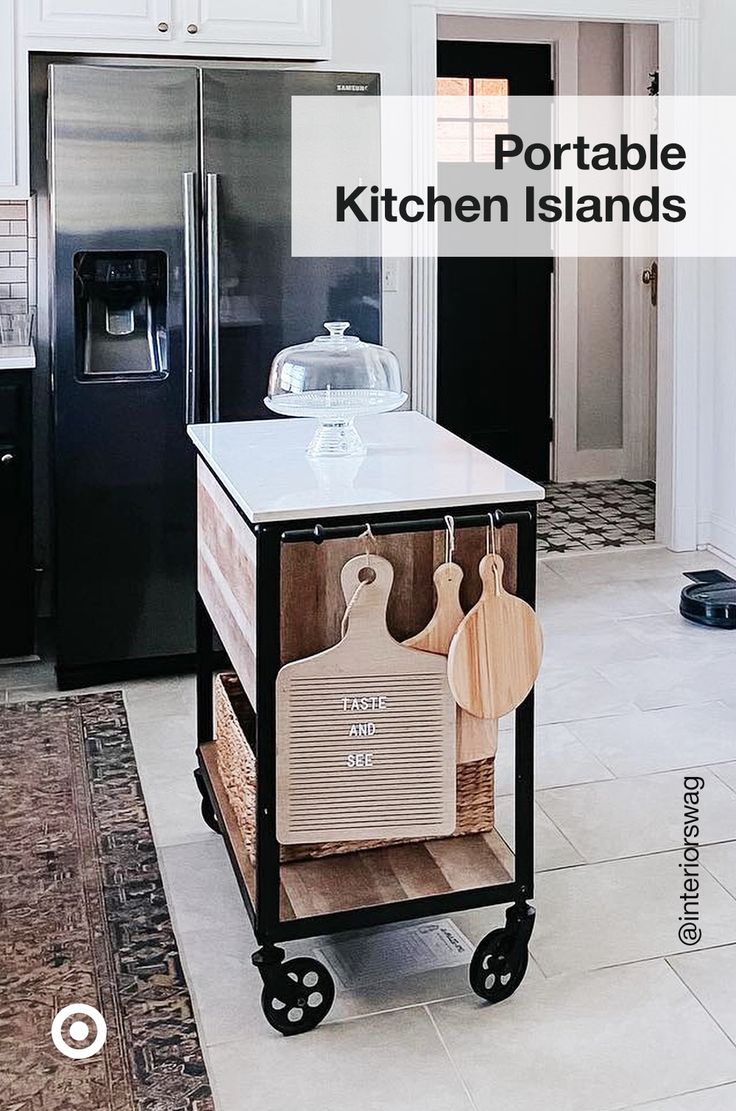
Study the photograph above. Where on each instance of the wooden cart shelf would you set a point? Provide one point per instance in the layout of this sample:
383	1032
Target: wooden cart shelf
391	875
374	876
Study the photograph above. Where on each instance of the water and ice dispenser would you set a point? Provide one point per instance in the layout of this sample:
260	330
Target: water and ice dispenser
120	303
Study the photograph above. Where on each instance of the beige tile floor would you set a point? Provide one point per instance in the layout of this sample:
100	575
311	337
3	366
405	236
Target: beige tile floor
615	1013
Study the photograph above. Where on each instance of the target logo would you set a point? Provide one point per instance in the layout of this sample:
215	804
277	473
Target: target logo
79	1031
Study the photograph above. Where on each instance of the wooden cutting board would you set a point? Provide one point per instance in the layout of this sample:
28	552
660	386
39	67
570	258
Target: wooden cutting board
365	732
496	654
477	739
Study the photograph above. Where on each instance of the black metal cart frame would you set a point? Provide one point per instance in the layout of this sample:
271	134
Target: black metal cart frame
500	961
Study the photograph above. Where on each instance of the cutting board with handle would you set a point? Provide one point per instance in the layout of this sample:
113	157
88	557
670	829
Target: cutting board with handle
365	731
477	739
496	653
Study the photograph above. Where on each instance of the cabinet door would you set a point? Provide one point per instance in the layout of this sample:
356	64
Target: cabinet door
7	98
16	518
85	19
285	28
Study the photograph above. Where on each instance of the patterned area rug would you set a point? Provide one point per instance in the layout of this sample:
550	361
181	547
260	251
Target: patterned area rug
84	920
587	516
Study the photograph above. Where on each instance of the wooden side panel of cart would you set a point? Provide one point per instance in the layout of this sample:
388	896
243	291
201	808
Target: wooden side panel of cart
226	571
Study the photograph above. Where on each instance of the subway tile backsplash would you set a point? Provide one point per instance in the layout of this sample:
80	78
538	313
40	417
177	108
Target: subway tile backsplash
18	252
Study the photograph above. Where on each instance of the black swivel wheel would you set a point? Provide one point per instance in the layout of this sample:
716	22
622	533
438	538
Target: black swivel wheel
500	962
496	970
208	812
297	995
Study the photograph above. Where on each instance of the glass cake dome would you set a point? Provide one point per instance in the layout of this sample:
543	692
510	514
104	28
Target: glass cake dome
335	379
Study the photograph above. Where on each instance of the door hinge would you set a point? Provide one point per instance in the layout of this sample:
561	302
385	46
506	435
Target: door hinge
551	430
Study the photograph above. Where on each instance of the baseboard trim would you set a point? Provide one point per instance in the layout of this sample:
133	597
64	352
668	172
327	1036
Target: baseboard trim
591	466
722	538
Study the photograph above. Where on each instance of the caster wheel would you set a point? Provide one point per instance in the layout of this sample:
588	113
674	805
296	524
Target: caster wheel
209	816
297	996
207	810
498	966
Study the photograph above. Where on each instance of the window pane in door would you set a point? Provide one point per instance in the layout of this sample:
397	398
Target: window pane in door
453	97
453	141
453	86
491	98
484	139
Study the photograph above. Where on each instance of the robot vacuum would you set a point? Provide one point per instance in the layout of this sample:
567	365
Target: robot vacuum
710	601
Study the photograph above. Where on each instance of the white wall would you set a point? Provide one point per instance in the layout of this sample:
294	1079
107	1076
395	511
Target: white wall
718	304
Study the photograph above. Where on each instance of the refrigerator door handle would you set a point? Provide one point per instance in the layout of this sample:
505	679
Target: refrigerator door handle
191	294
213	293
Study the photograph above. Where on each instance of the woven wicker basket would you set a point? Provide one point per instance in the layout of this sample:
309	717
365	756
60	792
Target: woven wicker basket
237	767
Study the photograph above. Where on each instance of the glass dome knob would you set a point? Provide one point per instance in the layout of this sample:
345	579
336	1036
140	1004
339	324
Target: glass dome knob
337	328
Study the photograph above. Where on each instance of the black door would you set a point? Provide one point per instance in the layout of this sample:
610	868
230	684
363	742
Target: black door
494	314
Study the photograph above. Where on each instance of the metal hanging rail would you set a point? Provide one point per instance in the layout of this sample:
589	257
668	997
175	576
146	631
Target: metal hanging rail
320	533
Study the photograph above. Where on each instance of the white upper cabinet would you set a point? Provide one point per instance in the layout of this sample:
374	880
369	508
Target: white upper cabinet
273	28
99	19
289	29
8	167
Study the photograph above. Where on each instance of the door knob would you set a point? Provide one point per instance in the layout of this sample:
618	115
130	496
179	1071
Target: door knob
192	28
163	28
7	458
650	277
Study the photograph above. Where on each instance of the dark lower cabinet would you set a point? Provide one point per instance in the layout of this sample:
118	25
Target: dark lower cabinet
17	585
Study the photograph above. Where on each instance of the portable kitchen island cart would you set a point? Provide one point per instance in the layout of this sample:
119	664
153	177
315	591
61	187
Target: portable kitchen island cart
275	528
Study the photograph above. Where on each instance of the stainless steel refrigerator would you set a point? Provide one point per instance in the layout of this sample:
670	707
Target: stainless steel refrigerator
173	289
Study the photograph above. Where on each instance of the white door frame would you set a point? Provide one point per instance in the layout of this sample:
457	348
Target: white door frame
678	355
641	57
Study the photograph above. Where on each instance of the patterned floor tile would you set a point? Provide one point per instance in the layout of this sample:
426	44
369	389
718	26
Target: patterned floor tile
587	516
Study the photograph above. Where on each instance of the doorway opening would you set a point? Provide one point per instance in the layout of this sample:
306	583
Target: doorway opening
551	369
494	381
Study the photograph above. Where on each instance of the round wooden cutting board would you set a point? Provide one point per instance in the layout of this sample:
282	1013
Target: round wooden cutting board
496	654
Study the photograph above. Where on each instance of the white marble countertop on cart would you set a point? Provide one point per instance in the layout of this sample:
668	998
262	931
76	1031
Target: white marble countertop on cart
411	464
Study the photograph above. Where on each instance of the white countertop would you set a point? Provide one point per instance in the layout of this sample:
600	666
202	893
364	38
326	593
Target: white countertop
411	464
17	358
